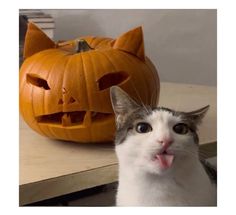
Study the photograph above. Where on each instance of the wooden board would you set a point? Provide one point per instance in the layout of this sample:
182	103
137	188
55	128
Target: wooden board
50	168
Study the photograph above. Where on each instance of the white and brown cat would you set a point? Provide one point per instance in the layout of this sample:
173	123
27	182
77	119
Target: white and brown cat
157	150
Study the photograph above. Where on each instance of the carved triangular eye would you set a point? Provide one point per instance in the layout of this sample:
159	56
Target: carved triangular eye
37	81
112	79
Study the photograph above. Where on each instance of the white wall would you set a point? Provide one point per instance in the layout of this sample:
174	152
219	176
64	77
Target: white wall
181	43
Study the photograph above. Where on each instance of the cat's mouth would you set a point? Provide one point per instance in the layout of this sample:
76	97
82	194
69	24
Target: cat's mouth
164	159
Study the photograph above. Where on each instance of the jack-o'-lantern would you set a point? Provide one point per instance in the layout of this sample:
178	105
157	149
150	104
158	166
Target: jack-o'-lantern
64	86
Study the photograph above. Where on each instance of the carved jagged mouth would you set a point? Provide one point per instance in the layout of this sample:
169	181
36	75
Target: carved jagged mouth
73	118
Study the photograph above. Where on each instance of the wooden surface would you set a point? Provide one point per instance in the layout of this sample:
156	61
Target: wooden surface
50	168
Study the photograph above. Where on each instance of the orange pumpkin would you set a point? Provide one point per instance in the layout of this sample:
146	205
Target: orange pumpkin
64	87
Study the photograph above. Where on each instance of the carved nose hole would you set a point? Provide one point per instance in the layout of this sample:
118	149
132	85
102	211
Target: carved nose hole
64	91
71	100
60	102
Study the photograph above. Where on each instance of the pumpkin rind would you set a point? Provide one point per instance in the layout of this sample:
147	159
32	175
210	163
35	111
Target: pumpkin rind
74	106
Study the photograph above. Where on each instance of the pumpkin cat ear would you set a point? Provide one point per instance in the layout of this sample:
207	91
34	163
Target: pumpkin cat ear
35	41
132	42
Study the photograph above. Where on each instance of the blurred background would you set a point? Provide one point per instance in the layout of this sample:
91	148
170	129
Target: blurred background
181	43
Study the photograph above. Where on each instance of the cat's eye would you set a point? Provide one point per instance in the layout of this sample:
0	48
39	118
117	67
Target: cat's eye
181	128
37	81
143	127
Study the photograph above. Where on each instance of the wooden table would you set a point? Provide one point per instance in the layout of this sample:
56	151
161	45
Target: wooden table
50	168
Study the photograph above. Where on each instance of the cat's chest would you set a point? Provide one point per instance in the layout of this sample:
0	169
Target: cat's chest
169	192
164	193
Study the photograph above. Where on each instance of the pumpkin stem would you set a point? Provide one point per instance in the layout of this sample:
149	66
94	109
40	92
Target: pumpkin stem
82	46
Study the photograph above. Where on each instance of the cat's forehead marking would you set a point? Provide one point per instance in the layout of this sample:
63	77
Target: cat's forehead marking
164	114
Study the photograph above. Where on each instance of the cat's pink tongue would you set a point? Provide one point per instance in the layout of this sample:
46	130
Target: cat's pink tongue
165	160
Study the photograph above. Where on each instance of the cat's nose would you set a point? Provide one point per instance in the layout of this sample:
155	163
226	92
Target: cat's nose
165	142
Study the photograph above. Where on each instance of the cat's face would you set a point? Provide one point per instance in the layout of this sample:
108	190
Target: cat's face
155	140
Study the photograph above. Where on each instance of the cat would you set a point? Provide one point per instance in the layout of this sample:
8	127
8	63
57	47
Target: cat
157	150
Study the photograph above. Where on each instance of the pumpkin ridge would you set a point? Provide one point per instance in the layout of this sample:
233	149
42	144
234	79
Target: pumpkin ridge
95	73
43	100
22	110
103	42
63	82
128	59
49	73
77	62
86	86
127	55
112	63
96	41
32	95
29	67
104	54
101	53
108	58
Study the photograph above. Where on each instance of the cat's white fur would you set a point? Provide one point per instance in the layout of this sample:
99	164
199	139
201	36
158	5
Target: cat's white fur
143	183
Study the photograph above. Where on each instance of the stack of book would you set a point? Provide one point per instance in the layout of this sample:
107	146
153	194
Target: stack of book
22	32
42	20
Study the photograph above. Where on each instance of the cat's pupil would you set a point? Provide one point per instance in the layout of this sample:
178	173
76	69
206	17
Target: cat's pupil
181	128
143	127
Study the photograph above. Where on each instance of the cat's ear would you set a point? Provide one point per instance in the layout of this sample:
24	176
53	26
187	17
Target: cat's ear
122	104
131	42
197	115
35	41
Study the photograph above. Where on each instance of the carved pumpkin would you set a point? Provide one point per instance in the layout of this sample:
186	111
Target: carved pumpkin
64	87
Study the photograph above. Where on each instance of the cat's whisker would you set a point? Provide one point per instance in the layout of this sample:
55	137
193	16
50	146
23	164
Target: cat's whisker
140	99
196	155
184	150
207	150
177	102
153	99
204	153
188	151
